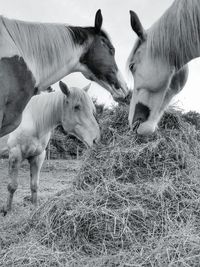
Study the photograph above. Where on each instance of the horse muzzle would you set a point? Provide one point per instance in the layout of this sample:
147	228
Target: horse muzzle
116	85
140	122
142	113
146	128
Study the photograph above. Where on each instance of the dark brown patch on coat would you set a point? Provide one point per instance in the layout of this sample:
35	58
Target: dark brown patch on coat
100	60
17	87
100	56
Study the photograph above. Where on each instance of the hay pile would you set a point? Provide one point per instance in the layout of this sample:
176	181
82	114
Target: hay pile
64	146
136	201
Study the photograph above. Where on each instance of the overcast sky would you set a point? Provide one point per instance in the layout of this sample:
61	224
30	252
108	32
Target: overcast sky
115	22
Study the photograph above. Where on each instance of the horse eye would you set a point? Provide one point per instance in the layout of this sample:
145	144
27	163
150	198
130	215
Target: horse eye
103	42
112	51
132	67
77	107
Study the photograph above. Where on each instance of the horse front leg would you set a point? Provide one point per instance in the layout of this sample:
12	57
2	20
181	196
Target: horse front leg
1	117
35	167
14	163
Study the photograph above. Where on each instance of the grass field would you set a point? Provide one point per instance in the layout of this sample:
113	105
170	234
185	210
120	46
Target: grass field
131	201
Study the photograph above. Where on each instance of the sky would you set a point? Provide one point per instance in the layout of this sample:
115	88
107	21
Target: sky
116	22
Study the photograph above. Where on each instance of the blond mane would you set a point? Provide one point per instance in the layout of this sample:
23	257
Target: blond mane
45	110
175	37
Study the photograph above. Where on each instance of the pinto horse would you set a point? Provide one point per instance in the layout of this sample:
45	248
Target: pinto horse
35	55
158	58
72	108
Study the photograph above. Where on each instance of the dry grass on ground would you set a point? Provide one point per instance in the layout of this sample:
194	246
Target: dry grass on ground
136	202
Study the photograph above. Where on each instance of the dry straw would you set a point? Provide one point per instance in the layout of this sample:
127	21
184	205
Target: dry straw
135	202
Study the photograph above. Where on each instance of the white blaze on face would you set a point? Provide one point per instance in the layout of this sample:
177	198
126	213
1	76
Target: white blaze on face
146	100
151	82
87	127
157	99
152	77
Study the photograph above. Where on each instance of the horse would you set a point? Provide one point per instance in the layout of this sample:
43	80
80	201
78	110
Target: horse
158	57
35	55
72	108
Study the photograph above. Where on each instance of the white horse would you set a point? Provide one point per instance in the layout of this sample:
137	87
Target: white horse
35	55
159	54
72	108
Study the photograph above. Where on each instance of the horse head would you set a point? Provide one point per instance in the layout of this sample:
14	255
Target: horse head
78	115
98	64
155	82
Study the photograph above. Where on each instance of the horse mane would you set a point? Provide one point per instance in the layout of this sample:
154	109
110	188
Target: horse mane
43	45
175	37
41	107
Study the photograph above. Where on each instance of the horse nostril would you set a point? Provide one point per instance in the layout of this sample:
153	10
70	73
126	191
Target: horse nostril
112	79
142	113
117	85
95	141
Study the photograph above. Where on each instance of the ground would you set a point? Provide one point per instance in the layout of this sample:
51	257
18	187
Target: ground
55	176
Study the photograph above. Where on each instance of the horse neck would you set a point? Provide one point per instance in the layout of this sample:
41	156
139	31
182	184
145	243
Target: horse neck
56	73
176	35
46	110
48	49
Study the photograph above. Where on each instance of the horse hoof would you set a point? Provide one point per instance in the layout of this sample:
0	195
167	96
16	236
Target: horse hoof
27	199
4	211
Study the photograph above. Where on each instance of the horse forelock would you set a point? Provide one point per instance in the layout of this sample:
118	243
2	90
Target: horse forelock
79	96
81	35
175	37
78	33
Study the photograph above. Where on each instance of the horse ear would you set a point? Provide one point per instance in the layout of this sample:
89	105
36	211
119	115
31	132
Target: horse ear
64	88
98	21
87	87
137	26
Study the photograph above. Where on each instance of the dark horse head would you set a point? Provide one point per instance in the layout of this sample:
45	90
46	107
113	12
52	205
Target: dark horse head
97	63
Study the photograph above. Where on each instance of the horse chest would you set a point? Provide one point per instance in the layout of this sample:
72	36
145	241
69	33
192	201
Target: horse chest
33	147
